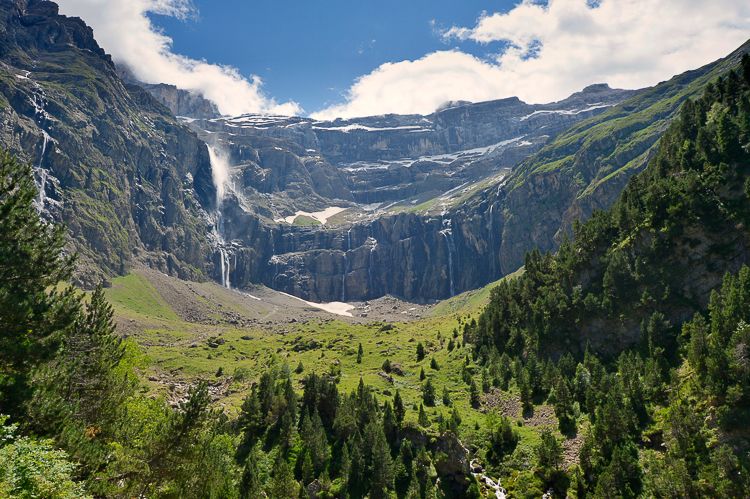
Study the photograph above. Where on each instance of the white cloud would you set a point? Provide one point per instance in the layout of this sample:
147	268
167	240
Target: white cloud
554	50
123	29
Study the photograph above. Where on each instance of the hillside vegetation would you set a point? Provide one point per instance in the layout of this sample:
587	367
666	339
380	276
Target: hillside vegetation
585	167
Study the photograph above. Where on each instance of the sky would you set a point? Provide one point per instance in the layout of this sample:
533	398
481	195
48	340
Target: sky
335	58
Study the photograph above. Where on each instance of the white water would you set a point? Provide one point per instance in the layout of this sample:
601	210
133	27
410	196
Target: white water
220	171
492	243
343	279
42	188
369	267
349	239
448	235
490	483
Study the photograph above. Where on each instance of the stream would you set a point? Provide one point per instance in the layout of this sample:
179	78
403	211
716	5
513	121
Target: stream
488	482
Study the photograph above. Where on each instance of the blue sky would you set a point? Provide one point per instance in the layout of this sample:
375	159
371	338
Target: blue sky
311	52
331	59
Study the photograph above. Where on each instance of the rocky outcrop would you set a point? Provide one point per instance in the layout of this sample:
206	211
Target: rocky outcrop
183	103
109	160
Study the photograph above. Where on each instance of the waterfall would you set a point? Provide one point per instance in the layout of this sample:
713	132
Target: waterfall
42	188
374	245
492	243
224	268
220	171
349	239
490	483
447	233
343	279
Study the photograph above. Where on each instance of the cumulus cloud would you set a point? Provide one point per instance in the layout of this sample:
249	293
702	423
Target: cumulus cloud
123	29
554	49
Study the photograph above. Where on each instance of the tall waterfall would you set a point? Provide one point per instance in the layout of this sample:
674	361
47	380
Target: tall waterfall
220	171
447	233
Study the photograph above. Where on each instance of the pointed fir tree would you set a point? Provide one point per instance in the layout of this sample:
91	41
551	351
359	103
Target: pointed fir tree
446	397
474	395
420	352
360	352
33	310
422	418
422	375
399	411
428	393
381	471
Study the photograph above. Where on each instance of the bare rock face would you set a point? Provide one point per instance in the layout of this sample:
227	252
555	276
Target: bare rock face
184	103
109	160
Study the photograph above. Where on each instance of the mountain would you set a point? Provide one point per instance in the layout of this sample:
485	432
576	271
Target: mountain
129	179
586	167
420	207
433	226
182	103
391	182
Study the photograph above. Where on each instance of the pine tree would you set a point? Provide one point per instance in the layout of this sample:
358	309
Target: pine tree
434	365
428	393
251	486
564	405
387	366
549	452
308	474
420	352
360	352
283	485
346	465
381	471
399	411
32	310
455	420
525	391
474	395
446	397
422	418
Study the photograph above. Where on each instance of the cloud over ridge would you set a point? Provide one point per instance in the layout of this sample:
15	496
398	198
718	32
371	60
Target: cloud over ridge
551	50
124	30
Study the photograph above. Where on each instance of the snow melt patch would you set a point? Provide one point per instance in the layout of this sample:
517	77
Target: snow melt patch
569	113
320	216
334	307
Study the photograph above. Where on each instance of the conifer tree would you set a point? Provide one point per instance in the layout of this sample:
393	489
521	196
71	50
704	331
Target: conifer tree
360	352
399	411
32	310
474	394
446	397
381	471
428	393
422	417
420	352
346	465
251	486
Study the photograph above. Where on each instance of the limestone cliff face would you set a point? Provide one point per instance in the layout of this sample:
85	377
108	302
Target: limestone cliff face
184	103
110	161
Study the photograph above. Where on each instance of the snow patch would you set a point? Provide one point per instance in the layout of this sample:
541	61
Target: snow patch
335	307
320	216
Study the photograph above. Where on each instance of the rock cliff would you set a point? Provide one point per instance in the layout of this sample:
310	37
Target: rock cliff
129	180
